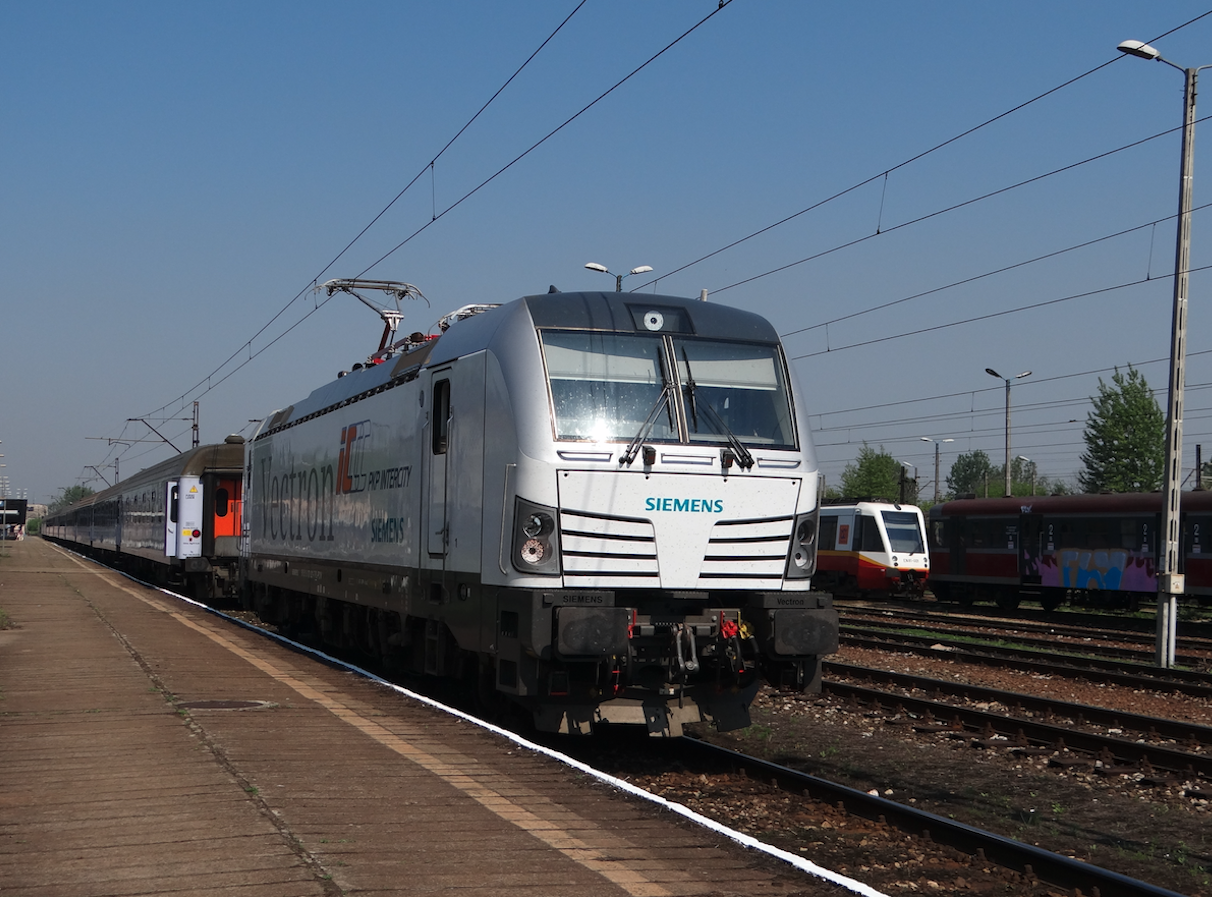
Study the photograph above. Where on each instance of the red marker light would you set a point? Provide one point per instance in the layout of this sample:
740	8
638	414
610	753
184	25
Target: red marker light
196	533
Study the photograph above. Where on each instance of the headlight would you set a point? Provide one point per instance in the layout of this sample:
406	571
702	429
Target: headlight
801	557
535	543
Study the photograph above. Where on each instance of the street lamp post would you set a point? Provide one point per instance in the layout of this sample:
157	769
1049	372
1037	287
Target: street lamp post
1169	581
1008	380
618	278
937	444
1027	460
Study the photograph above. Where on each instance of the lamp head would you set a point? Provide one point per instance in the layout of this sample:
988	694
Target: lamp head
994	373
1138	48
594	266
642	269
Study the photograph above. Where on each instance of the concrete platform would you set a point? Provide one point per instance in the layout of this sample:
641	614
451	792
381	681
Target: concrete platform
115	780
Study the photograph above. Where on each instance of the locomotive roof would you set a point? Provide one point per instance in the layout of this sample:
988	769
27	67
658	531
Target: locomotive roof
617	312
625	312
1125	502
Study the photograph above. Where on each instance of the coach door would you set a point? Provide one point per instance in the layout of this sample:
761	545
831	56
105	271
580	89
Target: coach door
439	445
1031	527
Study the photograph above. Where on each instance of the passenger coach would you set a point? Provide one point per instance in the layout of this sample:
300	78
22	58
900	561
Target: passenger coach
176	523
1090	549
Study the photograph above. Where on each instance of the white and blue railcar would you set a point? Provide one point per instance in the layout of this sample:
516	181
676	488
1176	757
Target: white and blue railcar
599	506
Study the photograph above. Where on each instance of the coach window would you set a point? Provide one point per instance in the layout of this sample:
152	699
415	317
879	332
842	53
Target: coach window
828	533
221	502
441	416
869	538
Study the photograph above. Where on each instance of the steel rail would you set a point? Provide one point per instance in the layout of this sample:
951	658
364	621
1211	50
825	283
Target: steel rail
1077	625
1118	672
955	631
1025	859
1148	726
1119	755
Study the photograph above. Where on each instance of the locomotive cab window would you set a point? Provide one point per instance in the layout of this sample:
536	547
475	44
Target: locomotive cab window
734	388
604	385
903	532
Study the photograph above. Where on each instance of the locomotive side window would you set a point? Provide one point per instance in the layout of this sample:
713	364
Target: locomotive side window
441	416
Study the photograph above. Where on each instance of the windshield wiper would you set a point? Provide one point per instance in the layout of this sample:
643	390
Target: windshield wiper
743	457
662	401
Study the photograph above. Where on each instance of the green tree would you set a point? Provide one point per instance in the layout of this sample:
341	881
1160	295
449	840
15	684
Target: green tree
69	495
1125	437
877	475
969	473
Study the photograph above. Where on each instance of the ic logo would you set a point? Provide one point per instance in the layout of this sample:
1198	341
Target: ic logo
351	460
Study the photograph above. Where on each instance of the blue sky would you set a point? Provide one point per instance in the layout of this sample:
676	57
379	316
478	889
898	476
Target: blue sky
174	175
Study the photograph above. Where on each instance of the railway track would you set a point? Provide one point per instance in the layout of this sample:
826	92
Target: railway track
1119	672
1026	619
1036	724
1032	863
1105	643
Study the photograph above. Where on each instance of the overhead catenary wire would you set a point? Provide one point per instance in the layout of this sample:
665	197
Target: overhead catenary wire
995	314
968	280
247	345
211	382
196	391
945	211
922	155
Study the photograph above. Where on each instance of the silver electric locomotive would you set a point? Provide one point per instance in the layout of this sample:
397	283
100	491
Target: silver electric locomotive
601	507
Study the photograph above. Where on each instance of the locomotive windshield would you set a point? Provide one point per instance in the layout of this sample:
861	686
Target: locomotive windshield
904	534
733	387
604	385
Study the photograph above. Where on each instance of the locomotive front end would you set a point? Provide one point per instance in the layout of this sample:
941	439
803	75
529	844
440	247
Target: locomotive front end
664	518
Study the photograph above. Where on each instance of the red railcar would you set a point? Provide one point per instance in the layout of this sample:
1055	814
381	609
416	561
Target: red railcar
1090	549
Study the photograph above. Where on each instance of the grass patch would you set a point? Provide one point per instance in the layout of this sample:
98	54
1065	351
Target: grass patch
6	622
